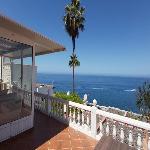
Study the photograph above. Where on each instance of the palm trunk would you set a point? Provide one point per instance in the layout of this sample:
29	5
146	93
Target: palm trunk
73	68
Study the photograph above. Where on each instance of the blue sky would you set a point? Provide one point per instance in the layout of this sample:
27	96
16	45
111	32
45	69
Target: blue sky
116	40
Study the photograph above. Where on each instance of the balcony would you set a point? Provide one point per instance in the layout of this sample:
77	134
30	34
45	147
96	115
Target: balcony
49	133
60	124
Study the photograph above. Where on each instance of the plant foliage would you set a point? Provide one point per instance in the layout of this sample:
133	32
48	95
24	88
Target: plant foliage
143	100
74	97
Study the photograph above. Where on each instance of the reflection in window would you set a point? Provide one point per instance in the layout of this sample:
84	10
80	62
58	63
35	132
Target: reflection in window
15	80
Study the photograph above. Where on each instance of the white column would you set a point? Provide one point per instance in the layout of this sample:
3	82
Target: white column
93	121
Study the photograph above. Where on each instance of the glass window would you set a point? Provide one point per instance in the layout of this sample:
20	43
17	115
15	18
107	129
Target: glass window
15	80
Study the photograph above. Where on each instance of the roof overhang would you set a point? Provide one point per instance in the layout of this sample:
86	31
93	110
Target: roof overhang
14	31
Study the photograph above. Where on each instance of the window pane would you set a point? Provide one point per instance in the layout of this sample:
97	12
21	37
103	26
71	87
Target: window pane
15	80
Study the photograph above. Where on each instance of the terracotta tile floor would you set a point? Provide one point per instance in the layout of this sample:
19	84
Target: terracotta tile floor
49	134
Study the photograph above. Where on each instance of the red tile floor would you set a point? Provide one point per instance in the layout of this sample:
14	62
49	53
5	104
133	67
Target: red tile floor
49	134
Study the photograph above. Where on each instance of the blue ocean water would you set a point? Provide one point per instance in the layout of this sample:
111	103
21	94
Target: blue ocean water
112	91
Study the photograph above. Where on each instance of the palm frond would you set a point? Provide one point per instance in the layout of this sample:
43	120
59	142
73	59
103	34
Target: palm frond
74	61
74	18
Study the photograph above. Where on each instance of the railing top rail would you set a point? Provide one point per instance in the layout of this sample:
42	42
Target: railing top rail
22	90
81	106
125	120
40	94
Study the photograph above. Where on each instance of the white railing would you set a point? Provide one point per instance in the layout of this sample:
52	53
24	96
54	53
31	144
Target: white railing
94	122
41	102
24	95
126	130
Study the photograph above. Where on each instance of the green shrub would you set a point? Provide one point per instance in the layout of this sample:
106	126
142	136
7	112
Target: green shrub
143	100
74	97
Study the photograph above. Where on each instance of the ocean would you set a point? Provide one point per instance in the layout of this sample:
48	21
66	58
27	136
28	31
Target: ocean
111	91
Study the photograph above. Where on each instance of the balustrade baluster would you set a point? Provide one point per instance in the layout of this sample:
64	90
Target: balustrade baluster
35	102
130	138
63	112
107	128
139	141
66	111
70	114
39	103
78	111
42	104
101	129
53	107
122	135
114	131
74	115
88	120
82	122
58	109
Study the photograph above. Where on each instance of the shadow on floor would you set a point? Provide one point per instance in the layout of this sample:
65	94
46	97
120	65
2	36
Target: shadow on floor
44	129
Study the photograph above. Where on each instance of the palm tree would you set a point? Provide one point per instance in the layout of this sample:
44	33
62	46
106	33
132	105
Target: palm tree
74	23
74	61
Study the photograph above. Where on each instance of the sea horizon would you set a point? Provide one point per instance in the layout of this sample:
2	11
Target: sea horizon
113	91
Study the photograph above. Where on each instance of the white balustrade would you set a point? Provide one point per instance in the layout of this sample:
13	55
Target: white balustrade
135	141
95	122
